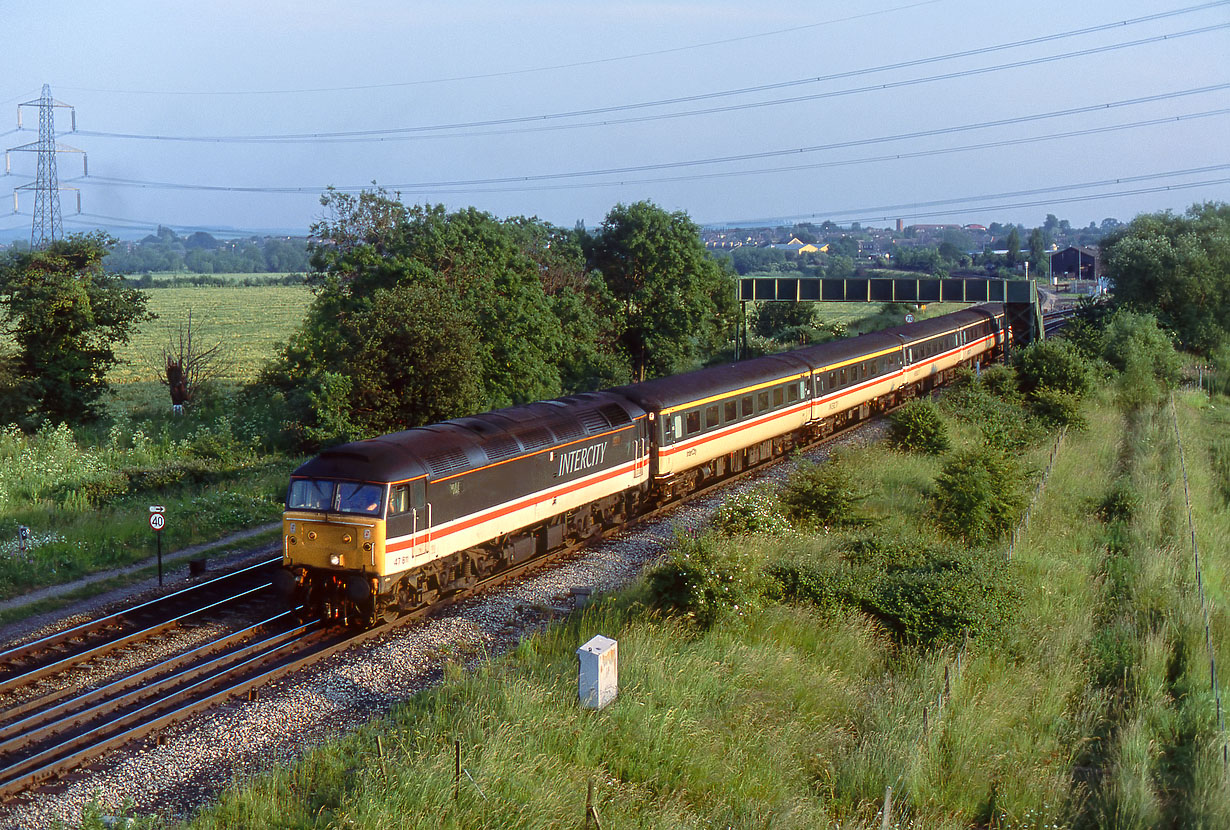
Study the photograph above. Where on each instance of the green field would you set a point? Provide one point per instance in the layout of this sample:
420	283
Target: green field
249	322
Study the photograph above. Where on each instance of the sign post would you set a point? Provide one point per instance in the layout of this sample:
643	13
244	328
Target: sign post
157	521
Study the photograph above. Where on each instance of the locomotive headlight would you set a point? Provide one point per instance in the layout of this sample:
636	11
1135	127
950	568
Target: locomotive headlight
367	546
312	535
334	559
346	538
293	541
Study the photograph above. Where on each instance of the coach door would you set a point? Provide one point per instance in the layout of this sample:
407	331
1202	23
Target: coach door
422	518
638	467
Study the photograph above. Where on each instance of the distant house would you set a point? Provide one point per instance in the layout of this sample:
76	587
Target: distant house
1076	263
798	247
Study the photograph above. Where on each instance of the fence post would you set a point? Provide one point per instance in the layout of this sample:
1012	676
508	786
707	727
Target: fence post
886	818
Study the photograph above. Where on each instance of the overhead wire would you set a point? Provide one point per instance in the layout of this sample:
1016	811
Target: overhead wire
530	70
765	154
672	50
471	128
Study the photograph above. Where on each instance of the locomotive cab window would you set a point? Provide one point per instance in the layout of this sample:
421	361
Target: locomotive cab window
399	499
339	496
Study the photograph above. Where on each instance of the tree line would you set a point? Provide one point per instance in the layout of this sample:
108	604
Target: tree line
422	314
202	253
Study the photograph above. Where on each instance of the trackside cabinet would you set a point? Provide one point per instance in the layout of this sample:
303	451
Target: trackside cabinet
598	680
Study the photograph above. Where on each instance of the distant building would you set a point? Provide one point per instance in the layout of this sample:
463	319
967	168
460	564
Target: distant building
1076	263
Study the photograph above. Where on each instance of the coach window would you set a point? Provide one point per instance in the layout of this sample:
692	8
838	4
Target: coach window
693	421
778	397
792	393
832	381
747	406
762	402
843	376
732	411
678	427
711	417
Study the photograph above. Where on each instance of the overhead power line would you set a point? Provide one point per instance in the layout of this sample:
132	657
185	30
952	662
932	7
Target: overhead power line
646	168
651	53
453	130
507	73
958	205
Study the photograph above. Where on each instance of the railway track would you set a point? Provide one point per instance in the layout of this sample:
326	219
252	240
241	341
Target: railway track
26	664
44	740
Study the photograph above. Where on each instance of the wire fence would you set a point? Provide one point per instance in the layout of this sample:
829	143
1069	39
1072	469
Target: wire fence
1204	607
1023	524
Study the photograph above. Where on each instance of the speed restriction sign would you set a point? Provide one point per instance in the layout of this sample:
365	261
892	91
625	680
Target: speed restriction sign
157	521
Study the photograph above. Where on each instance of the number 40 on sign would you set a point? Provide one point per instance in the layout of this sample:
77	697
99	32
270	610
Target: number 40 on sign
157	517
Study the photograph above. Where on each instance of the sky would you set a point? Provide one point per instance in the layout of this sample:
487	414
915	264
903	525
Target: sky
228	115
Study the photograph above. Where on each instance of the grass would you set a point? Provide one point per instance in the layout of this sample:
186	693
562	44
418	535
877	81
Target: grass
249	323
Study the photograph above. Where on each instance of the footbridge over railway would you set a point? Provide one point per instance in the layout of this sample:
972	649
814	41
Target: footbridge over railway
1022	306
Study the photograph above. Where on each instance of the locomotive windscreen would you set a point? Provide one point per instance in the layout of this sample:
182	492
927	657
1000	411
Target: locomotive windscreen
335	496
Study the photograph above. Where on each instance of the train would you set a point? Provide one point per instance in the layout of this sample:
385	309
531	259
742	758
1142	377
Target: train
383	526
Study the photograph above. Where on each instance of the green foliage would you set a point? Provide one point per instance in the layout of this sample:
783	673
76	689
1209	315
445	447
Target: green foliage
1001	381
1121	503
1056	408
201	253
1136	345
925	593
431	315
1052	365
1003	420
919	427
676	302
66	316
979	494
705	579
751	512
1177	267
824	495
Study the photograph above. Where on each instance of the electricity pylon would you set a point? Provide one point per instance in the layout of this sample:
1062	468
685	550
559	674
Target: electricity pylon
47	225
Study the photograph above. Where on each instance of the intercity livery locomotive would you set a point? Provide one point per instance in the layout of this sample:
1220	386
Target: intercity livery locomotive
379	527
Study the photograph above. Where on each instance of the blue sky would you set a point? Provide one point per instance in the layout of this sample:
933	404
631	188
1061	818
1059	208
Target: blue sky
468	103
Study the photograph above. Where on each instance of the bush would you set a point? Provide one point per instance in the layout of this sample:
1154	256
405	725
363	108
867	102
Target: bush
918	427
1056	408
823	495
1052	365
979	495
704	579
1001	381
1004	422
923	592
1136	341
755	511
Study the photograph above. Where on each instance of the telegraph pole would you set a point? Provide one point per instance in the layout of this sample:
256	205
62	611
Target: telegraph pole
47	225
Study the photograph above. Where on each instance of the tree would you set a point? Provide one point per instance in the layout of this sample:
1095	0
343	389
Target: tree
1178	268
513	316
187	364
1014	246
1037	251
677	302
66	314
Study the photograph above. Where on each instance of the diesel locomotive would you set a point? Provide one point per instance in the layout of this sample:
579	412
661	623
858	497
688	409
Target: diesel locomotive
378	527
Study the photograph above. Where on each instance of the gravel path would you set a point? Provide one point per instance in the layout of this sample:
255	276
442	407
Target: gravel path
196	761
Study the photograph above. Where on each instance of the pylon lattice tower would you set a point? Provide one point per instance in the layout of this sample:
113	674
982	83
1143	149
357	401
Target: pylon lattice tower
48	225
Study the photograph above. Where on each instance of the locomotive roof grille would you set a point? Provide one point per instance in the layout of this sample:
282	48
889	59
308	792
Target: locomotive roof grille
594	421
446	462
534	438
615	414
